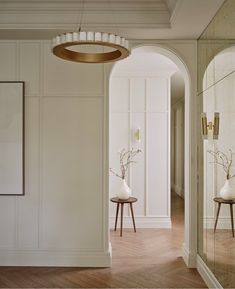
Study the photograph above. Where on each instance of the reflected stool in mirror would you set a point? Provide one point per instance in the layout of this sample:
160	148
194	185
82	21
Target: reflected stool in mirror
228	202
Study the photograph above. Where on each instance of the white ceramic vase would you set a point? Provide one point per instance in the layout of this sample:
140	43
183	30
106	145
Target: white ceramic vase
124	192
227	192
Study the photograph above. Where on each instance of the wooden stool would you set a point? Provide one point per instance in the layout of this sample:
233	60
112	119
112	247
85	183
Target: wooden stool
228	202
122	202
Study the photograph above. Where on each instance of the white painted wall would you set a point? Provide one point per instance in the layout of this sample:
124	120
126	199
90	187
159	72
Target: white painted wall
177	169
63	220
140	98
219	85
177	133
59	221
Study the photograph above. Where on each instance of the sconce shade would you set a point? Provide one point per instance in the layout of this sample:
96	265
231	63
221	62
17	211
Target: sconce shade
204	126
216	126
209	127
137	134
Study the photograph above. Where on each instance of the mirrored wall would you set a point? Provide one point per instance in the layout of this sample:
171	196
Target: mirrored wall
216	132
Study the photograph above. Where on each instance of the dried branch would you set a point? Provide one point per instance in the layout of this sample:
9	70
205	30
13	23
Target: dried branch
223	160
125	159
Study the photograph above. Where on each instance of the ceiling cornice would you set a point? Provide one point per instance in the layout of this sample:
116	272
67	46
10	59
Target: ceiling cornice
54	14
95	5
133	19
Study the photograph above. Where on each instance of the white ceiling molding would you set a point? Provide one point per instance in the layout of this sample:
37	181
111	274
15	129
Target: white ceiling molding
174	10
59	14
171	4
97	5
133	19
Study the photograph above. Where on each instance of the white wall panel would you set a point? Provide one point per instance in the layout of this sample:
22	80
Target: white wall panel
119	139
138	170
72	170
8	61
28	205
62	210
178	148
157	91
158	164
137	94
29	66
119	102
7	222
148	177
70	78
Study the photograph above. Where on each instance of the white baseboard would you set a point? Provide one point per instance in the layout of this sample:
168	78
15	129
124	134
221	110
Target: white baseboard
143	222
207	275
68	258
189	258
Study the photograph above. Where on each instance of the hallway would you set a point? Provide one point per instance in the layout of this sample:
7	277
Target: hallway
150	258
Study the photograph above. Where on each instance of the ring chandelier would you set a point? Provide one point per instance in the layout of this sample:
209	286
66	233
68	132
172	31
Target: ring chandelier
62	43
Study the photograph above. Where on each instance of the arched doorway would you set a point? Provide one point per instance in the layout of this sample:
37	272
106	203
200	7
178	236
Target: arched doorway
189	245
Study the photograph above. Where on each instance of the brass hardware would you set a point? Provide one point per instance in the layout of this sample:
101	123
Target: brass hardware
120	52
206	128
216	126
137	134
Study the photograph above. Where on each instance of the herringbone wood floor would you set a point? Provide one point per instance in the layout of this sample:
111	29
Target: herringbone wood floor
220	255
150	258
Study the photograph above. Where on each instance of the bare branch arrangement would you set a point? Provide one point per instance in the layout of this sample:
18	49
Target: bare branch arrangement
223	160
125	158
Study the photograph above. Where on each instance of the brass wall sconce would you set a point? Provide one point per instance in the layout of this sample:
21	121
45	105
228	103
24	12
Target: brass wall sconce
210	128
137	135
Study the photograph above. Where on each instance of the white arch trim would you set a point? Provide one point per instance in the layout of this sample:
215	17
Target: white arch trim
189	247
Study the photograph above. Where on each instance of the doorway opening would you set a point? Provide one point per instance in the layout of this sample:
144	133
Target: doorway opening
141	91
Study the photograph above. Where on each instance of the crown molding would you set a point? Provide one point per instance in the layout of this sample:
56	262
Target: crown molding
43	15
133	19
71	5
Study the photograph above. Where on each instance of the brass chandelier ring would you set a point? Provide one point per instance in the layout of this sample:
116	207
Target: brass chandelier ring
62	42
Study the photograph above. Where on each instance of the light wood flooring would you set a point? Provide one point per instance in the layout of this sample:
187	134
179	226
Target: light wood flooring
149	258
220	255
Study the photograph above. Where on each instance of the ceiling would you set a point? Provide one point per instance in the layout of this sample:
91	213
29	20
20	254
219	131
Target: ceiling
134	19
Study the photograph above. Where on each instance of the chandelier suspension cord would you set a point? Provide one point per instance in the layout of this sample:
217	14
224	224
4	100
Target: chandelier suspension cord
119	45
115	19
80	17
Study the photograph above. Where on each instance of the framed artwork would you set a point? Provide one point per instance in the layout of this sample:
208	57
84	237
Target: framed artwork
12	138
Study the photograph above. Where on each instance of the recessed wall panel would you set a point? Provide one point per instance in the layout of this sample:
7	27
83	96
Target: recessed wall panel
138	172
8	61
137	94
7	222
72	173
28	206
157	152
119	102
29	60
157	94
119	139
67	78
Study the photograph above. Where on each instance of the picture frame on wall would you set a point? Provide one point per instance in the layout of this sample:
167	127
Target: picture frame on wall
12	101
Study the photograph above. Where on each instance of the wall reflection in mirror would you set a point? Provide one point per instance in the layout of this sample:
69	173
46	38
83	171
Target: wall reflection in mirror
216	86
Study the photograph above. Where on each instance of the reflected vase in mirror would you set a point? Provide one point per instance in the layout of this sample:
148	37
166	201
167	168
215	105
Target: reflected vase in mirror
227	192
124	192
